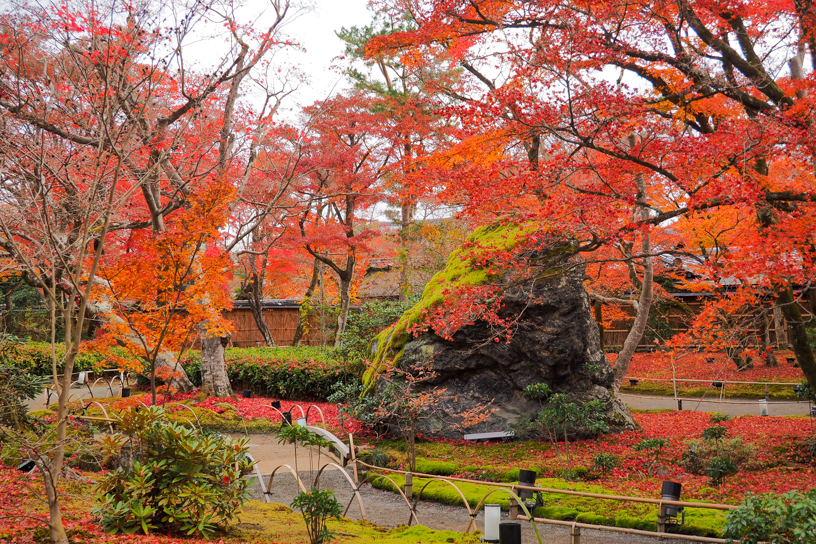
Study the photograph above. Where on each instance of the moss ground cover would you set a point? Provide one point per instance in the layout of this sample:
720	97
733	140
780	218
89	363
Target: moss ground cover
258	523
710	367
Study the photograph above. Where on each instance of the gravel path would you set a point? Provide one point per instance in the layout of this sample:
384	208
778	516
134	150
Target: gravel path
389	510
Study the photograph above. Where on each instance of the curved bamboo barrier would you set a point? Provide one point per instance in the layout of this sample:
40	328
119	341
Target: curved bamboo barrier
354	488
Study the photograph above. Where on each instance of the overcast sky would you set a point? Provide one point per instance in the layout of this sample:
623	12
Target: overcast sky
315	31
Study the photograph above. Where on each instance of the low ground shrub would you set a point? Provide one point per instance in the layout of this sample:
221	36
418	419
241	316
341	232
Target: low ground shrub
170	477
772	518
35	358
287	373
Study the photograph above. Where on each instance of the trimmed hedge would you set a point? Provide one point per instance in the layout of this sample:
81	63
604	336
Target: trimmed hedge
35	358
301	373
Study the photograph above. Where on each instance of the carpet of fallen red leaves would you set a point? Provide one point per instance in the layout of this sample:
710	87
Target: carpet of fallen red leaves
258	408
23	516
708	366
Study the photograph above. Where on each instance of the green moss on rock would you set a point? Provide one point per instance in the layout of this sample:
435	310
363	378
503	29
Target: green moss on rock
459	272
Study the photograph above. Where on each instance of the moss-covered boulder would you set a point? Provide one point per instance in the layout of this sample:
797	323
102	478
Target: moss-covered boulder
554	337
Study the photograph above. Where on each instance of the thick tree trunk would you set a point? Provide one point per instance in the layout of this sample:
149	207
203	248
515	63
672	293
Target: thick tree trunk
307	298
811	296
166	364
214	380
797	336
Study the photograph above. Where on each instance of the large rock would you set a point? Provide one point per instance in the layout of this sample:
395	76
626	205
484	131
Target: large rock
555	341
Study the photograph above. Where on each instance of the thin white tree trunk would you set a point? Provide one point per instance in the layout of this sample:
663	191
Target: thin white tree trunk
646	294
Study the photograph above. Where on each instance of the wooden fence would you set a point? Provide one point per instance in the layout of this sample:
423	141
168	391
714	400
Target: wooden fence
282	321
679	321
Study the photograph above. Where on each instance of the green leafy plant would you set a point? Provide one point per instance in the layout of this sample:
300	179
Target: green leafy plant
776	519
718	468
16	386
605	463
363	325
316	506
561	418
170	477
654	449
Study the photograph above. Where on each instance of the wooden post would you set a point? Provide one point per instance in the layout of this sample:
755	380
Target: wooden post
409	484
767	392
514	507
575	534
661	518
353	455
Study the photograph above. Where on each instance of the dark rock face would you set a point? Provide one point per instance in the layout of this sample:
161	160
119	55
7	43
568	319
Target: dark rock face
556	342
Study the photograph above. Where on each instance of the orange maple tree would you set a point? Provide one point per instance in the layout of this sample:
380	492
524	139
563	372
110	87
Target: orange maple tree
158	288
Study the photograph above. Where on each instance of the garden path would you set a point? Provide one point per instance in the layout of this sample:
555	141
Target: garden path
728	406
390	510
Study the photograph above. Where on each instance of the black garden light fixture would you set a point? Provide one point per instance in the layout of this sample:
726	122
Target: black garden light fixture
670	491
633	381
246	393
528	478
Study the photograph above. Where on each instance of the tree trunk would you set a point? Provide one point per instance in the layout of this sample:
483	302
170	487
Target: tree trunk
345	303
811	296
767	346
255	296
797	336
180	382
307	298
779	327
598	307
646	295
214	380
406	218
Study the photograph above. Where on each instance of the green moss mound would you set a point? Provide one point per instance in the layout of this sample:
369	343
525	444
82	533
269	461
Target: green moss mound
459	272
613	513
438	468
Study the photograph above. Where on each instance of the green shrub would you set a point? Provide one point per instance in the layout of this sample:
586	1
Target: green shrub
289	373
635	523
366	323
718	468
696	458
605	463
772	518
316	506
180	481
35	358
438	468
